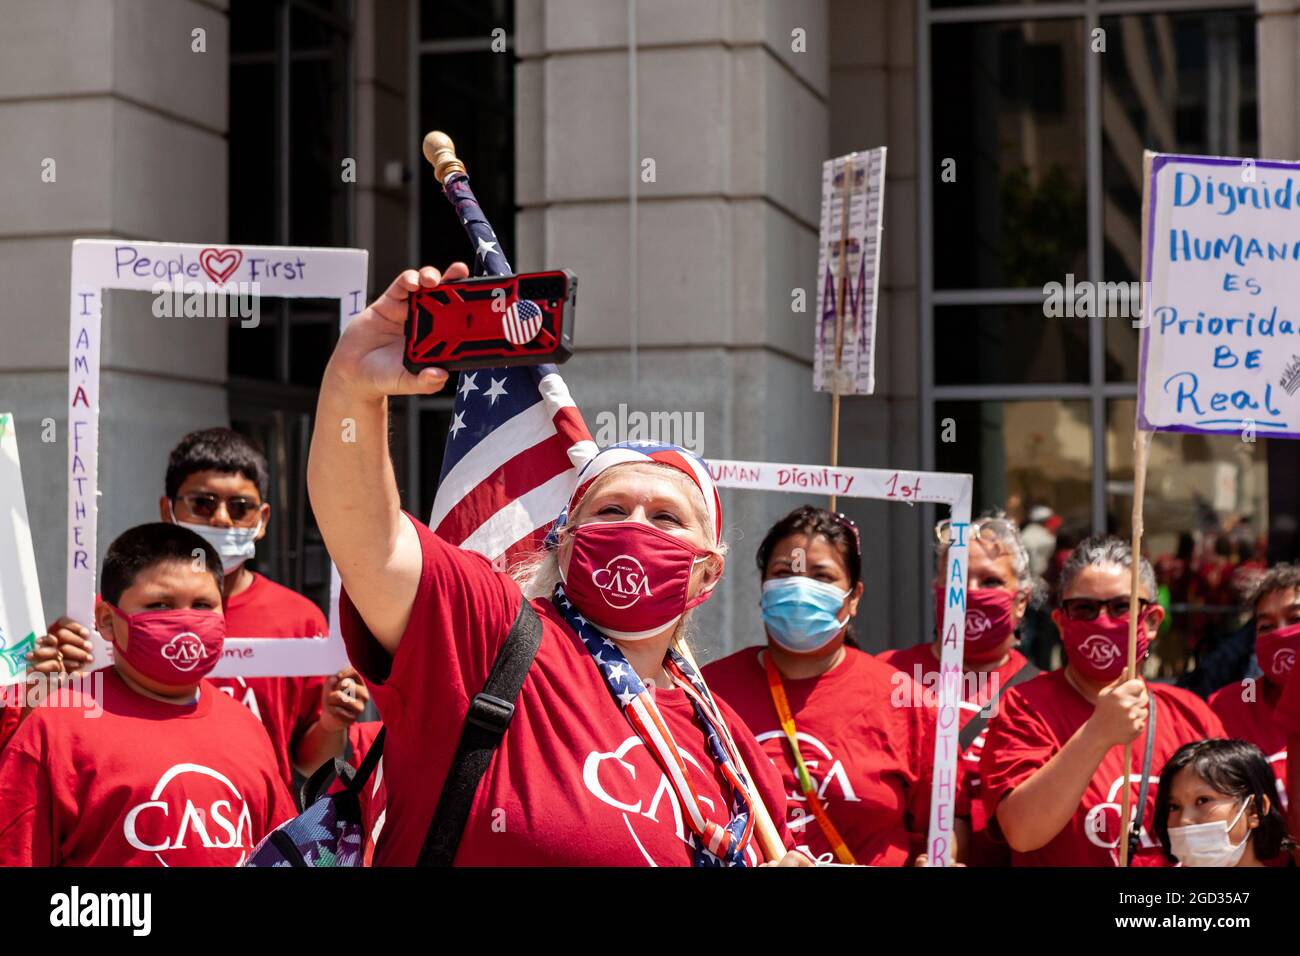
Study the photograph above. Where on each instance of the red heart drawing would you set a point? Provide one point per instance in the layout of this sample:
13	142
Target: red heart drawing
214	262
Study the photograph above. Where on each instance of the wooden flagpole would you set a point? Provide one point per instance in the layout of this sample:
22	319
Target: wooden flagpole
769	838
1141	446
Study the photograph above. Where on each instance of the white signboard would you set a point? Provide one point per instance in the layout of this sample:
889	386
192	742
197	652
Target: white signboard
190	280
1220	322
853	196
910	487
21	616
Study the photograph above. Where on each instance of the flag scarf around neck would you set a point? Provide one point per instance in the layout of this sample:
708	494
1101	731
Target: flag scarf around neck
689	464
714	845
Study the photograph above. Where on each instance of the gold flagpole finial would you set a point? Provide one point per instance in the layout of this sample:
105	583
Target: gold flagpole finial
440	151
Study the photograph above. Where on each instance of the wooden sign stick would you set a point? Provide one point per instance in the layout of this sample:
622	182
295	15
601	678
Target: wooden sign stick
842	291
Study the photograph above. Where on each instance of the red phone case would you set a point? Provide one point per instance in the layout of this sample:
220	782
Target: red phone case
492	321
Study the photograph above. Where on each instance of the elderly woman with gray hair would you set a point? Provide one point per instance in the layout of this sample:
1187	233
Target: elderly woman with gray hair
1053	765
1000	588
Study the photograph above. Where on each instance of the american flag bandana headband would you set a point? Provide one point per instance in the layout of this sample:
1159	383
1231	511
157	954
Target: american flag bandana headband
688	463
713	845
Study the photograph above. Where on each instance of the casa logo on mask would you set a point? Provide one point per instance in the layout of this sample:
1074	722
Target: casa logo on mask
622	582
185	650
977	622
1284	660
1100	650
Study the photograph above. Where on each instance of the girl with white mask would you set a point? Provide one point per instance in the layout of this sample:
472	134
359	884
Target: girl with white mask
1217	805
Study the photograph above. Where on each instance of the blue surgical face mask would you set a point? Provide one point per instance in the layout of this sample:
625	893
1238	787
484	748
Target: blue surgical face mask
801	614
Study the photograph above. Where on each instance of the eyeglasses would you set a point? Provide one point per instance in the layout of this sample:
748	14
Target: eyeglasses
1087	609
204	505
996	527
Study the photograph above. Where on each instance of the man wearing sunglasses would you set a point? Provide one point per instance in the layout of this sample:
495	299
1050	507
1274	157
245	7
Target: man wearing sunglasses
1053	762
215	485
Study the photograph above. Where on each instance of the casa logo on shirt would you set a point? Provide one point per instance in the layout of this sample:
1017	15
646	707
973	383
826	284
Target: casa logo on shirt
826	770
622	582
977	622
1284	660
1100	650
646	800
194	816
185	650
1101	824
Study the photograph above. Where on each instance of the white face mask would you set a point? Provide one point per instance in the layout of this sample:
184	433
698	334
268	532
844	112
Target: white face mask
233	545
1209	844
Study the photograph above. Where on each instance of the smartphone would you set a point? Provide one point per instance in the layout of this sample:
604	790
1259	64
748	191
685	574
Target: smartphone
492	321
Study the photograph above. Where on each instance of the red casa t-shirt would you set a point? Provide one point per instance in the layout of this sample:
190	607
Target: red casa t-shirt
10	716
110	778
869	758
1253	720
571	783
978	688
1037	718
286	706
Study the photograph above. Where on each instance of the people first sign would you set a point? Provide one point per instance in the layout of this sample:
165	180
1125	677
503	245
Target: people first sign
1220	340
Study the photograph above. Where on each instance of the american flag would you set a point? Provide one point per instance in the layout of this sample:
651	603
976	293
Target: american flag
516	441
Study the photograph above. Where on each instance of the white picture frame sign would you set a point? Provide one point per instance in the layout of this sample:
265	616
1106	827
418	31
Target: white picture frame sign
182	269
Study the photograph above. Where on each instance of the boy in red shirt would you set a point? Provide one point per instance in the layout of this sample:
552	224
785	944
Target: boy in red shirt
144	763
216	486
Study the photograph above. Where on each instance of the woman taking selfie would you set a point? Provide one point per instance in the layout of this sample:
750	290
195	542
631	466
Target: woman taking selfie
616	754
851	735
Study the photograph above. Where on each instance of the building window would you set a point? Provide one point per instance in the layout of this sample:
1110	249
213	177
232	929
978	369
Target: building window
466	89
1042	140
290	131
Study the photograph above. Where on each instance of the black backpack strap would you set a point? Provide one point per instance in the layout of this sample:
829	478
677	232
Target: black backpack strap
981	720
1135	831
489	715
353	780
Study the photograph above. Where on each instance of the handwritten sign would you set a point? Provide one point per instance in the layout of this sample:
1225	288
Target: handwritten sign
907	486
848	271
1220	343
21	616
188	280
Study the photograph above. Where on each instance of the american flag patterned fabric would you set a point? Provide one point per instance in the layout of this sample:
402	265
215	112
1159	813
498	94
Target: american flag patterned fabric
713	845
516	441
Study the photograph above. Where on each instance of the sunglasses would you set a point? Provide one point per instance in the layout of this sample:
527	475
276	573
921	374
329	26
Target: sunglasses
1087	609
852	525
204	505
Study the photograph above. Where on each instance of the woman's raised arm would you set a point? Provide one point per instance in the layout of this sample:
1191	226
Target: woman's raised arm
350	474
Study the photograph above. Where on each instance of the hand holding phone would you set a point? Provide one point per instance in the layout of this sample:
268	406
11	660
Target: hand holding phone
492	321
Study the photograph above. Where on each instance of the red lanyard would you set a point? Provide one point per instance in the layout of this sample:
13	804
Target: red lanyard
806	785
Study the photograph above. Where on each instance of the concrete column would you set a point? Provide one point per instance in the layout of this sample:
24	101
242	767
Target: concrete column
1279	78
135	120
737	125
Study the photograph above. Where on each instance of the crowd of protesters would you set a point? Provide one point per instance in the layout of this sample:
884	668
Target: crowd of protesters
619	749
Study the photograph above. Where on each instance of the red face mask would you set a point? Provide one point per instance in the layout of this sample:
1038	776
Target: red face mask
630	579
1276	652
988	621
175	647
1098	649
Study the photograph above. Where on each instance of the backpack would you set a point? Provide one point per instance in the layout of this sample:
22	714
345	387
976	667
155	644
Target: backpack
331	831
